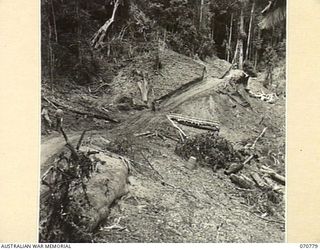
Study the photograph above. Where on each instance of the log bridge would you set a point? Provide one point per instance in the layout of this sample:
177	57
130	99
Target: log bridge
195	122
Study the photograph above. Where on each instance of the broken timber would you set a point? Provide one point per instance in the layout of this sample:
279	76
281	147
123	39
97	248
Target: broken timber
98	114
194	122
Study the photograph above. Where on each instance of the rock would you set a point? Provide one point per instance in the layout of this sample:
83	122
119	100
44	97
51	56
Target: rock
192	163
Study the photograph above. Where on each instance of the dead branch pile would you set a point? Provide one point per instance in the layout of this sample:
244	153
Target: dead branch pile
77	191
264	203
210	150
64	213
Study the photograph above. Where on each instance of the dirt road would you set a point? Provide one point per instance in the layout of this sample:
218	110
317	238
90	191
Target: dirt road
197	89
199	206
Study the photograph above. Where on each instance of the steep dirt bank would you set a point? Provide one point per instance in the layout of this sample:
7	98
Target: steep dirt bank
168	202
175	71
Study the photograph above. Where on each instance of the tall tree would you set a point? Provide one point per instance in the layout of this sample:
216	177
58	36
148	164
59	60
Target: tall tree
241	35
249	30
230	38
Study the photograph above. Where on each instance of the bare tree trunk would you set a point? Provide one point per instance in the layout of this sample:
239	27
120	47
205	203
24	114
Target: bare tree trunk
144	88
213	27
79	33
97	39
241	35
256	52
235	53
249	32
54	21
230	39
201	14
51	56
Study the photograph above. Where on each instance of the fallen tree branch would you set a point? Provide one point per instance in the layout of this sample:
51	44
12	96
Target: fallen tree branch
273	186
236	167
116	225
146	159
170	137
256	140
279	178
74	153
48	101
89	114
143	134
268	220
247	160
241	181
181	133
275	176
258	180
97	89
80	140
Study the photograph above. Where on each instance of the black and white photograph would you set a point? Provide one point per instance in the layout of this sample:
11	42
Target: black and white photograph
163	121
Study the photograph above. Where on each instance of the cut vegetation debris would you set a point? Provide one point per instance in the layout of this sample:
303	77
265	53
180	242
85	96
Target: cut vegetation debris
161	123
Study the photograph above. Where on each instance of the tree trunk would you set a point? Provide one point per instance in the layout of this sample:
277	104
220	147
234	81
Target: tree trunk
241	35
201	14
256	52
79	33
249	32
51	56
144	88
235	53
54	22
230	39
98	37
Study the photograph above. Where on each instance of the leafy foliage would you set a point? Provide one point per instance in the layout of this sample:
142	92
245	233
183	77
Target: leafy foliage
192	28
211	150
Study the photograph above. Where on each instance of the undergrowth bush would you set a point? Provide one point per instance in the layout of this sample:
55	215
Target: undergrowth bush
210	149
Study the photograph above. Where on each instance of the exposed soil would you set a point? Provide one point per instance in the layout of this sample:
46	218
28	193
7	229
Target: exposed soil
168	202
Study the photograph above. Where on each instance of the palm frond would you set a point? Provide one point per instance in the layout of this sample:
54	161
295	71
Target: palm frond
273	14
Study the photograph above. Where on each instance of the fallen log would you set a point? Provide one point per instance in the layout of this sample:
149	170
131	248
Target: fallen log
233	168
258	180
274	186
101	116
241	181
275	176
278	178
236	167
195	122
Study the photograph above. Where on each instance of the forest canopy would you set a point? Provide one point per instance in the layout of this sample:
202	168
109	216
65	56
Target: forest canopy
243	31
